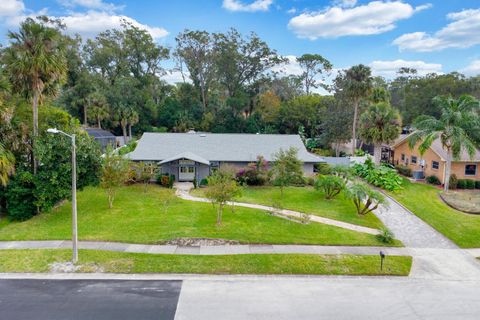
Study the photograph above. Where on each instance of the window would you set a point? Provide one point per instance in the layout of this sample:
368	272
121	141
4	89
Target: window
414	159
183	169
403	157
191	169
435	165
470	169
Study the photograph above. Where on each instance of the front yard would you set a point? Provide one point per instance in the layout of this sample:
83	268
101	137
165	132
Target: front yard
116	262
424	201
308	200
139	217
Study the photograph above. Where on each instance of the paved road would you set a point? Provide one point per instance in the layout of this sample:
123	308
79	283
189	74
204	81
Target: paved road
87	299
329	298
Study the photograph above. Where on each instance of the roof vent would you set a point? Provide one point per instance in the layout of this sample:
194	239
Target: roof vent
203	135
191	131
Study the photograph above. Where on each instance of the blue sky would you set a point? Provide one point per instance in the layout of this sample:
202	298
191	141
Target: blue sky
431	35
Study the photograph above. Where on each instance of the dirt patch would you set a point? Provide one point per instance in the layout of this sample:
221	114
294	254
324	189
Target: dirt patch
195	242
69	267
467	201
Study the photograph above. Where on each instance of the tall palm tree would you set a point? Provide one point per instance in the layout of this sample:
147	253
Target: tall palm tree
458	128
358	83
98	106
35	62
378	125
133	119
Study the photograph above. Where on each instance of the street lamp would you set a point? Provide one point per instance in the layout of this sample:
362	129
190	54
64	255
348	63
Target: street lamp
74	192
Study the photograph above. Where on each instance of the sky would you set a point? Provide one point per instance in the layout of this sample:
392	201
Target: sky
438	36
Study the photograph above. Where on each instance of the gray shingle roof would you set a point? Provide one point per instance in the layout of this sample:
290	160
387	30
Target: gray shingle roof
218	147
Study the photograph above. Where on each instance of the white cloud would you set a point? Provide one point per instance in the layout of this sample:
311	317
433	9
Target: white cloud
292	10
237	5
90	4
175	76
89	24
388	69
290	68
9	8
373	18
344	3
462	32
473	69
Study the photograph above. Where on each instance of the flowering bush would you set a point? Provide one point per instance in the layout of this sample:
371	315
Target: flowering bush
255	174
380	176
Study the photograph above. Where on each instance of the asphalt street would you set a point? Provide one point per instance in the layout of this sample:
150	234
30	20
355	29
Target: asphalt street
87	299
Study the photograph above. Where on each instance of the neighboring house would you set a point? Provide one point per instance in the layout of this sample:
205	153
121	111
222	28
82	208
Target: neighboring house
104	138
193	155
433	161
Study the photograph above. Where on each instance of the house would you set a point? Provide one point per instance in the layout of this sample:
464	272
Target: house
104	138
193	155
432	162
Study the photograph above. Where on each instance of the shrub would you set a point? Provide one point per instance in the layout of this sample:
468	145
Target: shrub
453	182
470	184
385	235
171	181
433	180
323	168
462	184
204	182
365	198
310	180
164	180
20	197
380	176
404	170
477	184
255	174
195	185
330	185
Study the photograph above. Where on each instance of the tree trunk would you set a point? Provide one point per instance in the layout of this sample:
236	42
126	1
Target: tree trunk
354	127
219	214
36	96
124	130
99	125
129	132
377	153
85	119
448	166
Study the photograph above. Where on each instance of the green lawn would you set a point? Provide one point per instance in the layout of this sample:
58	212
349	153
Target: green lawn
309	200
139	217
424	201
91	261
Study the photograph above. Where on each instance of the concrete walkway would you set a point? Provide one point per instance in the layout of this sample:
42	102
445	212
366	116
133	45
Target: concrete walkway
183	191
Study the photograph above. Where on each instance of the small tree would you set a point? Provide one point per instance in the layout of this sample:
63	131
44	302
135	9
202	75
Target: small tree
286	168
222	188
330	185
115	172
145	173
365	198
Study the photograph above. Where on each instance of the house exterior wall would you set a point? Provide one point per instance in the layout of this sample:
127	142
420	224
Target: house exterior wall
429	156
458	167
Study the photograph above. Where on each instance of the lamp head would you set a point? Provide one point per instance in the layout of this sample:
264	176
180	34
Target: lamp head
52	130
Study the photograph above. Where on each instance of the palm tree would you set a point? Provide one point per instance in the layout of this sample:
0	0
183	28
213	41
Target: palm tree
98	107
35	62
132	120
458	128
7	165
378	125
358	83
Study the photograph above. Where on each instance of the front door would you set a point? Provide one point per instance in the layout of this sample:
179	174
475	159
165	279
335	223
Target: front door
186	170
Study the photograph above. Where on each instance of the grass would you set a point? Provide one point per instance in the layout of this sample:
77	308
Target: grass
308	200
116	262
139	217
424	201
467	200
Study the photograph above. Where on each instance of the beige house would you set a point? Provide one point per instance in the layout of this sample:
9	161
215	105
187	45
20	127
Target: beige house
432	162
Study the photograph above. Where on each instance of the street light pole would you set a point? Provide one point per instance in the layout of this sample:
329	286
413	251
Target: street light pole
74	201
74	192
